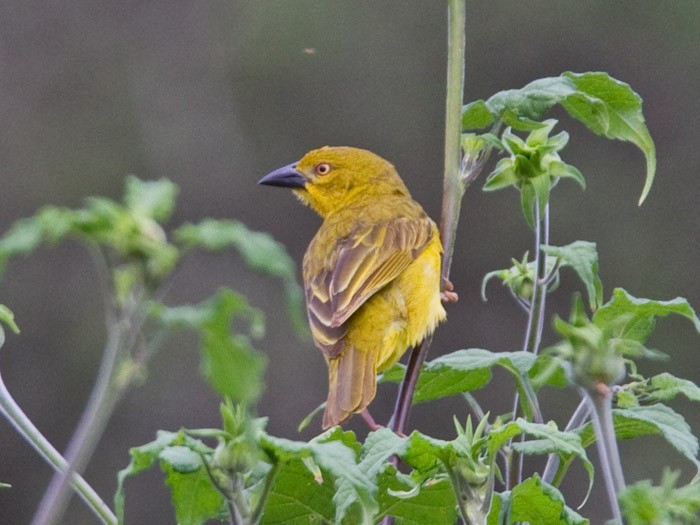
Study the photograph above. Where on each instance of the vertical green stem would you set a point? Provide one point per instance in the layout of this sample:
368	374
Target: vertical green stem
453	190
25	427
453	183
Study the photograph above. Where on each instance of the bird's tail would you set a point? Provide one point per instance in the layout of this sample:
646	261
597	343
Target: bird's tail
352	384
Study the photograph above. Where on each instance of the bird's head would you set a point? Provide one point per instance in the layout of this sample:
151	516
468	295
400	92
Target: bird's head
331	178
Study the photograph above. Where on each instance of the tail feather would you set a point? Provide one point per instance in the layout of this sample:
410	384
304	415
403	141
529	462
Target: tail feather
352	384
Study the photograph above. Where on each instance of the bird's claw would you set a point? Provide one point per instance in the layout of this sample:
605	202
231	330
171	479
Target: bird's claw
448	295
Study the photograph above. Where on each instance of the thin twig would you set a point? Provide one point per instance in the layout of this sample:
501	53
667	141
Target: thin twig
408	386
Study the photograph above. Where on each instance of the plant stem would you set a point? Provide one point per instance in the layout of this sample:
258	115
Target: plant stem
600	401
269	481
453	182
407	387
457	488
24	426
535	321
454	187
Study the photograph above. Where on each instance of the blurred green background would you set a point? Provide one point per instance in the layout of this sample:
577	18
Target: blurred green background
215	94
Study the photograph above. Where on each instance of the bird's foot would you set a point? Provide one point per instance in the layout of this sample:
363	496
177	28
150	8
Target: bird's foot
448	295
371	423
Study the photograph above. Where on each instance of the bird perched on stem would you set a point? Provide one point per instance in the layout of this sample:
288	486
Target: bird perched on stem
371	272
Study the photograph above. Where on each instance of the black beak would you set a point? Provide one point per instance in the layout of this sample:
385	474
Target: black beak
286	177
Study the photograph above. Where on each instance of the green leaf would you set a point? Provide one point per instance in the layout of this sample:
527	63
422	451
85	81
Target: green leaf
353	499
143	458
8	318
154	199
666	386
498	513
181	458
550	371
476	115
231	365
5	486
644	503
606	106
194	496
298	498
633	319
541	185
652	419
433	503
625	120
424	453
550	440
562	169
49	225
229	362
378	447
527	203
259	250
461	371
535	502
534	99
502	176
582	256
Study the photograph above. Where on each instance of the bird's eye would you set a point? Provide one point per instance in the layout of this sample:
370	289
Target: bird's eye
323	168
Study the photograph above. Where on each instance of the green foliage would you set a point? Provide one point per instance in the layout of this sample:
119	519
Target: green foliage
260	252
536	502
533	166
603	104
411	503
659	419
467	370
581	256
618	330
7	318
183	460
229	362
242	474
666	504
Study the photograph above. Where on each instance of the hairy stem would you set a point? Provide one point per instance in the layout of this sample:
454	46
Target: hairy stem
453	190
457	488
25	427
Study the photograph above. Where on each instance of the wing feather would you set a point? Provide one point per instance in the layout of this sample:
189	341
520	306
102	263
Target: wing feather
354	269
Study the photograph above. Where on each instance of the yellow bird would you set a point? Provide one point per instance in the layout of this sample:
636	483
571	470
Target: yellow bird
371	273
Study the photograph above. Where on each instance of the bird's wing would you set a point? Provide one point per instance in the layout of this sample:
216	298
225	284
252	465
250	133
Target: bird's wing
355	268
